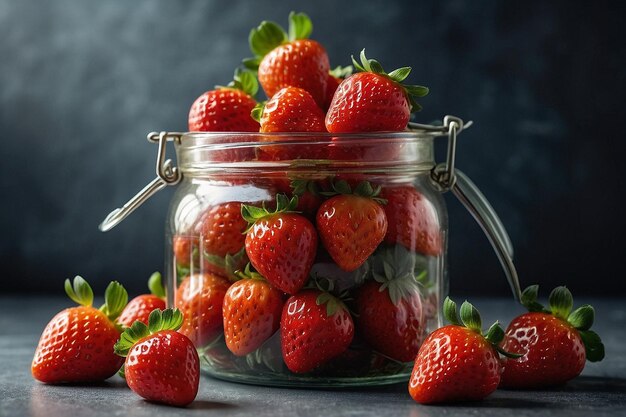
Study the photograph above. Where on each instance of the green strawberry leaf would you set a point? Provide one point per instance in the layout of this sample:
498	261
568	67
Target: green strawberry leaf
582	318
252	63
168	319
594	348
115	299
300	26
245	81
266	37
449	312
257	111
471	317
155	284
342	72
529	299
561	302
400	74
252	214
333	304
81	292
495	334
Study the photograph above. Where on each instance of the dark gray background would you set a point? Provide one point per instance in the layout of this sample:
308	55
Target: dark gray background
82	82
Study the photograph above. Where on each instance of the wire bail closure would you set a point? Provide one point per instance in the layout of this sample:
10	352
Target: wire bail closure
443	175
166	175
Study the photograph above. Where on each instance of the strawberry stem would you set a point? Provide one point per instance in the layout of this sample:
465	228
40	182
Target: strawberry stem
80	292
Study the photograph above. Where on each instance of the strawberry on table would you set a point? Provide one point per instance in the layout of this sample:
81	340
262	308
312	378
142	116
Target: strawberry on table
77	344
457	362
315	327
289	59
281	244
372	100
161	364
351	224
199	297
140	307
389	312
251	310
555	342
226	109
413	220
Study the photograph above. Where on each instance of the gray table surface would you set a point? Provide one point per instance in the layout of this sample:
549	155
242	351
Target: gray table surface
599	391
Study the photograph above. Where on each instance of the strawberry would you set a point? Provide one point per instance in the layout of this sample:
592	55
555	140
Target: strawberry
289	60
372	100
77	344
199	297
161	364
183	248
291	109
226	109
281	245
555	342
221	238
351	224
251	310
413	221
140	307
389	310
315	327
335	77
457	362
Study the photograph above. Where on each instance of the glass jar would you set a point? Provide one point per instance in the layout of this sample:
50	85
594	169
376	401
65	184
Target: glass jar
366	234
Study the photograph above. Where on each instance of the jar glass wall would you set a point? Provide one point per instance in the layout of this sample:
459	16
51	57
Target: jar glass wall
391	297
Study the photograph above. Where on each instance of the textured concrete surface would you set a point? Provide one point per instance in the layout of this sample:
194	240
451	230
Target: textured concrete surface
600	391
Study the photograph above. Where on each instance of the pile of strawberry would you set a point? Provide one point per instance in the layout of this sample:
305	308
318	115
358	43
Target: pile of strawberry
327	264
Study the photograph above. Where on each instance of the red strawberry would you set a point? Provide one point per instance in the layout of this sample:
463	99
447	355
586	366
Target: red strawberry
372	100
555	342
183	248
456	362
77	344
251	310
221	236
315	327
161	364
335	77
226	109
199	297
281	245
389	310
351	225
413	221
140	307
289	60
291	109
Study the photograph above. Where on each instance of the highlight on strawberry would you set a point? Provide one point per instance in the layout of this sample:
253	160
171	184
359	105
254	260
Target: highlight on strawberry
458	362
77	344
556	341
161	364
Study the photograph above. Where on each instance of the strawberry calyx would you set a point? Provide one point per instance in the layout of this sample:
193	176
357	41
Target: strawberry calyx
115	299
248	273
333	304
230	263
398	76
155	285
395	269
469	317
363	189
243	80
168	319
257	111
561	303
269	35
341	72
301	186
253	214
79	291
